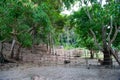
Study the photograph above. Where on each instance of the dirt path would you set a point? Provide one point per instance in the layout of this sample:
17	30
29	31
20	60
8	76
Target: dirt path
28	72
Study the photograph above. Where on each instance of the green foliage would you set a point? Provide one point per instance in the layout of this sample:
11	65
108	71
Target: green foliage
22	28
25	39
23	15
95	17
68	3
4	32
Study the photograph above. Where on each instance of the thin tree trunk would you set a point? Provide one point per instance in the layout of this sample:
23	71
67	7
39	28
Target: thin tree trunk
18	53
91	54
12	49
34	39
50	42
2	59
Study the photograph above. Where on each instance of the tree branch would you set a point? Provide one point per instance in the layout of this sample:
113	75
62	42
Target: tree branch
87	12
96	43
104	37
115	55
115	34
111	29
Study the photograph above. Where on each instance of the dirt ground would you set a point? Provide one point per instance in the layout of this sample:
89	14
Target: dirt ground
44	66
63	72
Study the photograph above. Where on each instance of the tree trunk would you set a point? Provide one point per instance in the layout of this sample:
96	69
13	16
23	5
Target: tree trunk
50	43
107	57
2	59
12	49
12	53
106	48
91	54
34	39
18	53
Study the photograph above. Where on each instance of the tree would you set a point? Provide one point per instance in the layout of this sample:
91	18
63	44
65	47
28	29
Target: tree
27	22
21	19
102	22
